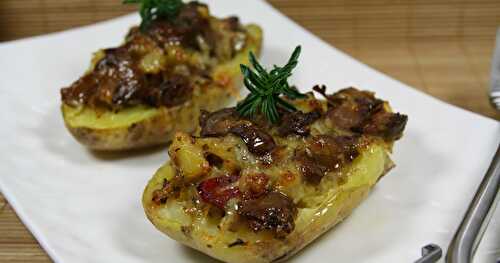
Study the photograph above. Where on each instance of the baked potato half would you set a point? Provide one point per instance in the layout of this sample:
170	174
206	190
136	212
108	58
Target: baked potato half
158	80
247	190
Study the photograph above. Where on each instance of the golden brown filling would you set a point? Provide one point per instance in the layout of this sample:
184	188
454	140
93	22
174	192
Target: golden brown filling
247	178
160	66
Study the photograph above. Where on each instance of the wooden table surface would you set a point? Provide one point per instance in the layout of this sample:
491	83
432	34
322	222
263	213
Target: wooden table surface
442	47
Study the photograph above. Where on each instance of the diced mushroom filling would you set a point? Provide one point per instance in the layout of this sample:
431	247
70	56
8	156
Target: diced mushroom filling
159	66
298	123
325	153
226	121
360	112
273	211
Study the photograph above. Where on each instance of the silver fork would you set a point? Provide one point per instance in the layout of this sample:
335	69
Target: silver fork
476	219
474	224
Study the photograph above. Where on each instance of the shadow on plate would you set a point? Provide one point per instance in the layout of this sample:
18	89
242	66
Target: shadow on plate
196	256
112	156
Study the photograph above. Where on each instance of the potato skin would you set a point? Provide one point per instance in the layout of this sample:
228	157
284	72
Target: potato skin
267	251
311	222
160	124
153	130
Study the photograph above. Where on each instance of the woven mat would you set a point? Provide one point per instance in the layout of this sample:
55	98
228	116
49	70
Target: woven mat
442	47
333	19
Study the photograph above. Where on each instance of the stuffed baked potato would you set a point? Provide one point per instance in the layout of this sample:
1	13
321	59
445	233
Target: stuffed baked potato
157	81
247	190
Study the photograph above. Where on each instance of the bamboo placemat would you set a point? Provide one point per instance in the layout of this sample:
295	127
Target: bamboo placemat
332	19
442	47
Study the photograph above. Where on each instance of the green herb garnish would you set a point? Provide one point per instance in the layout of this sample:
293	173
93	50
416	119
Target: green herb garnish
151	10
266	88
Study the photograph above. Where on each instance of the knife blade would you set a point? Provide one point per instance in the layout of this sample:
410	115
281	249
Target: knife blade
495	74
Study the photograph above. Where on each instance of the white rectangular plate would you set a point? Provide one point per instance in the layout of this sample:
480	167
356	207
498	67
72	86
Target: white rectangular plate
84	207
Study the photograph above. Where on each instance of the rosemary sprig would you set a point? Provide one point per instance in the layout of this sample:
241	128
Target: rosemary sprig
266	87
151	10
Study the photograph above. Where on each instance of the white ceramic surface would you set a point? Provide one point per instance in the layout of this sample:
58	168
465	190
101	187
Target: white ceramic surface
84	207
